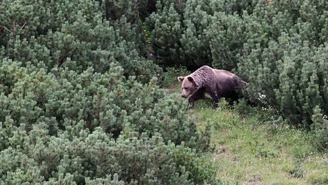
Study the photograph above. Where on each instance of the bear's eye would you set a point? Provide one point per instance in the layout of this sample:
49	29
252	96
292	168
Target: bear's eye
186	88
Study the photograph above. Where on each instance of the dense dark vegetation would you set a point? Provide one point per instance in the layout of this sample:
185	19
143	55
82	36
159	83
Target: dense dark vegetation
81	98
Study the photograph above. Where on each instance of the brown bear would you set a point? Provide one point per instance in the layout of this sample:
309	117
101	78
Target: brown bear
217	83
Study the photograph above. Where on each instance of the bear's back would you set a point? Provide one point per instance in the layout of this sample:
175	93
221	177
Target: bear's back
228	81
223	74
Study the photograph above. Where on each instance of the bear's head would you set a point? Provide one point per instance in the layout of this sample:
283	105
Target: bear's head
189	86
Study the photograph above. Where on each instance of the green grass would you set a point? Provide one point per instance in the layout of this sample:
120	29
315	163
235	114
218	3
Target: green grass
250	149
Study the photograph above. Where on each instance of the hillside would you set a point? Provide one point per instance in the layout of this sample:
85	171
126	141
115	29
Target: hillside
88	92
253	148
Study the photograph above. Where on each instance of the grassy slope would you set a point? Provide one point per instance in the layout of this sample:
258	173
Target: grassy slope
251	150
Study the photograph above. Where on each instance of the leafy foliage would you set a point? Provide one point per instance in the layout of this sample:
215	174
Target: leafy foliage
278	47
189	32
289	67
73	34
64	123
65	99
80	102
80	98
178	32
320	128
95	157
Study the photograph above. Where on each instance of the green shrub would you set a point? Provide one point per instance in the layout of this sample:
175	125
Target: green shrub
65	98
226	35
178	33
171	74
73	34
165	27
320	128
278	48
90	157
195	33
74	127
291	76
80	102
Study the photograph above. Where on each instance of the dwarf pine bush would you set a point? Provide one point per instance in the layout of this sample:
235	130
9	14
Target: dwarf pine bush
73	34
288	64
91	157
80	102
278	47
294	84
64	98
188	33
320	128
79	127
178	32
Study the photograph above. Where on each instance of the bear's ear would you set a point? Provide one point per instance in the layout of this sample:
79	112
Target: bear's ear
192	81
180	78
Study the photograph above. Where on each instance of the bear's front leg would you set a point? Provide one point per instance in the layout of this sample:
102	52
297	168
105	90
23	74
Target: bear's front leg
191	102
199	94
215	102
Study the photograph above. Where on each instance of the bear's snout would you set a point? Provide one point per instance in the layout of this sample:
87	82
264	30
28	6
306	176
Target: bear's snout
183	96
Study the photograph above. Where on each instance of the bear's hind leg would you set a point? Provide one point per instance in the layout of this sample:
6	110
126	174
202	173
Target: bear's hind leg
215	99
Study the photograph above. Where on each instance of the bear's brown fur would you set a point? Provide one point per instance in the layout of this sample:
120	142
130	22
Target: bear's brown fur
217	83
